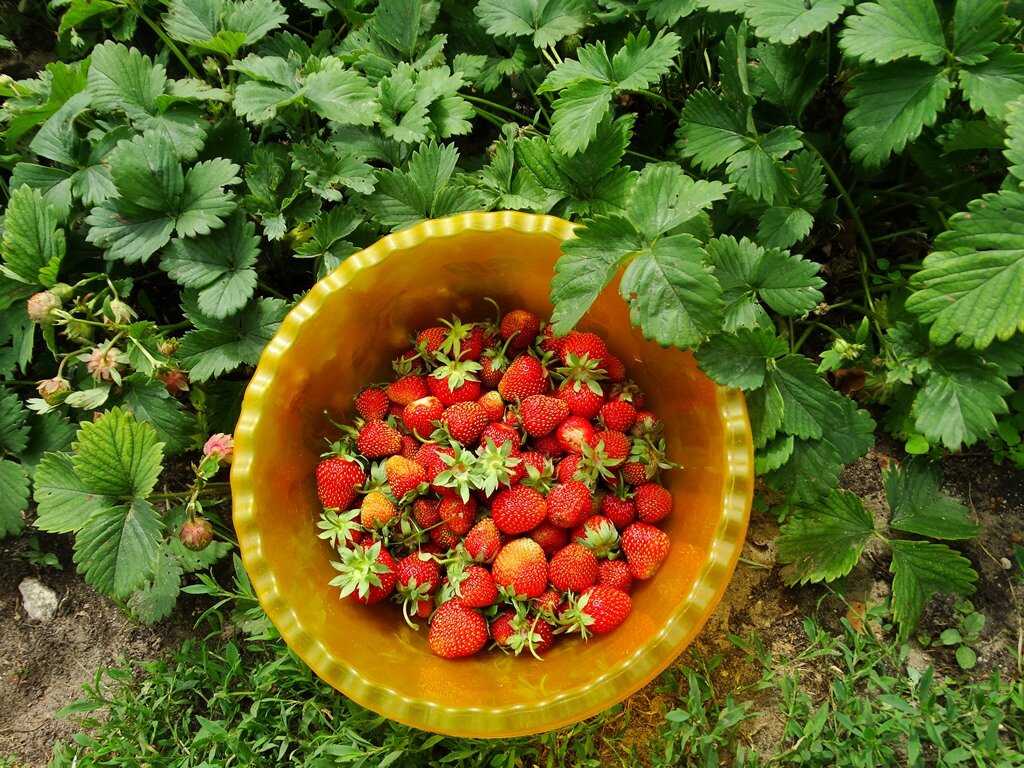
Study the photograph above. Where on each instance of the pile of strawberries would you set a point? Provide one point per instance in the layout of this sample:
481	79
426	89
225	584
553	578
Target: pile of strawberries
503	487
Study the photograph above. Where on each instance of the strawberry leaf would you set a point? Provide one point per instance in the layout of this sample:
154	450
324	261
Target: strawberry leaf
157	598
786	21
824	542
545	21
216	347
920	570
919	506
117	547
118	456
13	497
63	502
33	245
990	85
740	359
893	29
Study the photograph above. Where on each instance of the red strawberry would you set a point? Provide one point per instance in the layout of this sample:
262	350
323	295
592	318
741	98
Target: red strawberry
548	602
573	433
567	468
616	445
540	414
620	511
598	535
518	509
573	568
601	609
492	367
477	588
519	327
653	503
522	568
569	504
501	628
417	573
614	573
429	340
583	399
646	422
549	445
551	343
613	368
456	631
550	537
378	439
404	475
444	538
408	388
373	404
425	512
483	541
419	415
525	376
376	510
517	633
618	414
429	457
645	548
493	405
580	343
635	473
533	459
367	573
336	481
455	382
424	608
499	434
458	515
465	421
409	446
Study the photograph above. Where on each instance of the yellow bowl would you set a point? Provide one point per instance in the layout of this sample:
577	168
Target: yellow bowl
344	334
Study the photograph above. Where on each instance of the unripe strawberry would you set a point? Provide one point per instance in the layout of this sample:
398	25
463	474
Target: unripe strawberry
53	391
376	511
196	534
42	306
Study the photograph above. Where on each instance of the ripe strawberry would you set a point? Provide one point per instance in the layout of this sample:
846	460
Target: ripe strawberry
548	601
417	574
465	421
600	609
613	368
424	608
455	382
378	439
501	628
549	445
533	459
373	404
404	475
635	473
425	512
540	414
458	515
477	588
618	414
409	446
645	548
521	568
583	399
620	511
430	340
580	343
614	573
456	631
444	538
646	423
429	457
419	415
519	327
550	537
653	503
483	541
598	535
462	341
573	433
336	481
518	509
376	511
569	504
492	368
567	468
616	445
525	376
493	405
573	568
366	572
408	388
499	434
551	343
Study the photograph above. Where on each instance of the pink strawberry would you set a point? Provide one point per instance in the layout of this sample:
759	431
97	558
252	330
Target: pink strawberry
645	547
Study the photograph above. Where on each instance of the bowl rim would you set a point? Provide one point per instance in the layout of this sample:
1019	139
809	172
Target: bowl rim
615	683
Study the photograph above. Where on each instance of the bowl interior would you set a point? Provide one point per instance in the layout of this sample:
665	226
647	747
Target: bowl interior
345	335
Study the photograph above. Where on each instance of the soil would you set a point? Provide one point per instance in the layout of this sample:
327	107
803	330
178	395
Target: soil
44	665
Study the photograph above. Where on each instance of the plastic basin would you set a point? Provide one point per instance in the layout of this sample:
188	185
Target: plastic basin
344	334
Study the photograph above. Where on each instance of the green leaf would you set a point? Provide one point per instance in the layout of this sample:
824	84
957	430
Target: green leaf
13	497
824	542
157	599
920	570
222	26
672	294
1014	151
13	429
64	503
890	105
47	432
546	21
758	171
80	11
117	548
919	506
149	402
342	96
972	286
806	396
991	85
124	80
788	75
330	167
205	203
220	266
966	657
217	347
33	245
665	198
118	456
977	25
765	407
893	29
783	226
578	111
786	21
774	455
740	359
711	130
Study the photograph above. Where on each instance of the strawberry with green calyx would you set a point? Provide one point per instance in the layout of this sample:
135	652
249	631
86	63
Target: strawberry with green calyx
618	415
599	535
574	433
616	446
493	363
454	381
499	434
483	541
598	610
417	577
340	529
548	343
430	340
518	509
646	459
569	504
550	537
653	503
420	416
465	421
456	631
521	568
496	466
581	389
367	573
431	456
376	511
547	603
457	514
475	586
517	631
540	474
573	568
405	477
645	548
647	425
540	414
581	344
614	573
519	328
407	389
407	362
373	404
462	341
525	376
493	405
460	475
337	479
377	439
588	466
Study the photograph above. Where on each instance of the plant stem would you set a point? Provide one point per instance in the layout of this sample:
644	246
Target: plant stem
642	156
661	100
495	105
495	120
137	7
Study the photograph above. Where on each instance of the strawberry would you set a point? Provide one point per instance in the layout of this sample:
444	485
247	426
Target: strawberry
548	601
407	362
645	548
476	587
646	423
340	529
465	421
419	415
462	341
581	400
378	439
458	515
599	610
567	468
548	342
525	376
408	388
521	568
424	608
430	340
429	457
425	512
540	414
444	538
533	459
417	574
616	445
519	327
454	381
373	404
635	473
518	509
614	368
569	504
499	434
620	511
337	479
501	628
516	632
493	405
409	446
598	535
456	631
549	445
496	465
618	415
573	568
573	433
367	573
483	541
404	475
492	367
550	537
580	343
376	511
615	573
653	503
